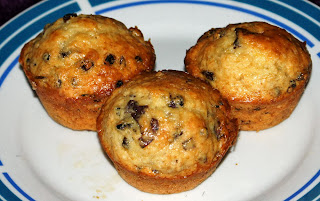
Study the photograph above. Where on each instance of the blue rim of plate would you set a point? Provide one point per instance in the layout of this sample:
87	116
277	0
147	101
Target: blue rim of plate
18	35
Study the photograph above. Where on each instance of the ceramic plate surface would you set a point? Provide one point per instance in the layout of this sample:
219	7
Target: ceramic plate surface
41	160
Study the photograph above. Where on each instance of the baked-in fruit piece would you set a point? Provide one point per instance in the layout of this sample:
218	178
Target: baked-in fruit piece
166	132
261	70
77	61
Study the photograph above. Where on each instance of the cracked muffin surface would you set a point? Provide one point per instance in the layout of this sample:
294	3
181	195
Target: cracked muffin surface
261	69
166	132
78	60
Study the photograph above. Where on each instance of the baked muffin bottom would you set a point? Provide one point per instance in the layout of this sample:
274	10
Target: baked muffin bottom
159	185
263	115
76	113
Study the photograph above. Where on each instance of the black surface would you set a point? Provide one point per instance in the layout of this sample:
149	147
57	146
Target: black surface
10	8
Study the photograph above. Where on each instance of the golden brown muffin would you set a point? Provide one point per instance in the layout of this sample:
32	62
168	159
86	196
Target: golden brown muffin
260	69
77	61
166	132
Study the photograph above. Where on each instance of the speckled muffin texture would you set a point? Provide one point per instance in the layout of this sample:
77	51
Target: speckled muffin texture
77	61
261	69
166	131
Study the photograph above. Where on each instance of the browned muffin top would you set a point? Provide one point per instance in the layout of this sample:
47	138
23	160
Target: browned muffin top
250	62
86	54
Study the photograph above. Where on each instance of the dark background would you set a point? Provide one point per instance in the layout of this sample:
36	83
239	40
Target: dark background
10	8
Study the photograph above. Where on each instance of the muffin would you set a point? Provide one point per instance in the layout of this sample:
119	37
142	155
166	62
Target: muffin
166	131
261	70
76	62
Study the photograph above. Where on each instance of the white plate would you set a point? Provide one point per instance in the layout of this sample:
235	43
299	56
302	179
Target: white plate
41	160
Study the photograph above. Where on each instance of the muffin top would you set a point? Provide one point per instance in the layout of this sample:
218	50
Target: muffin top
250	62
166	124
85	54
